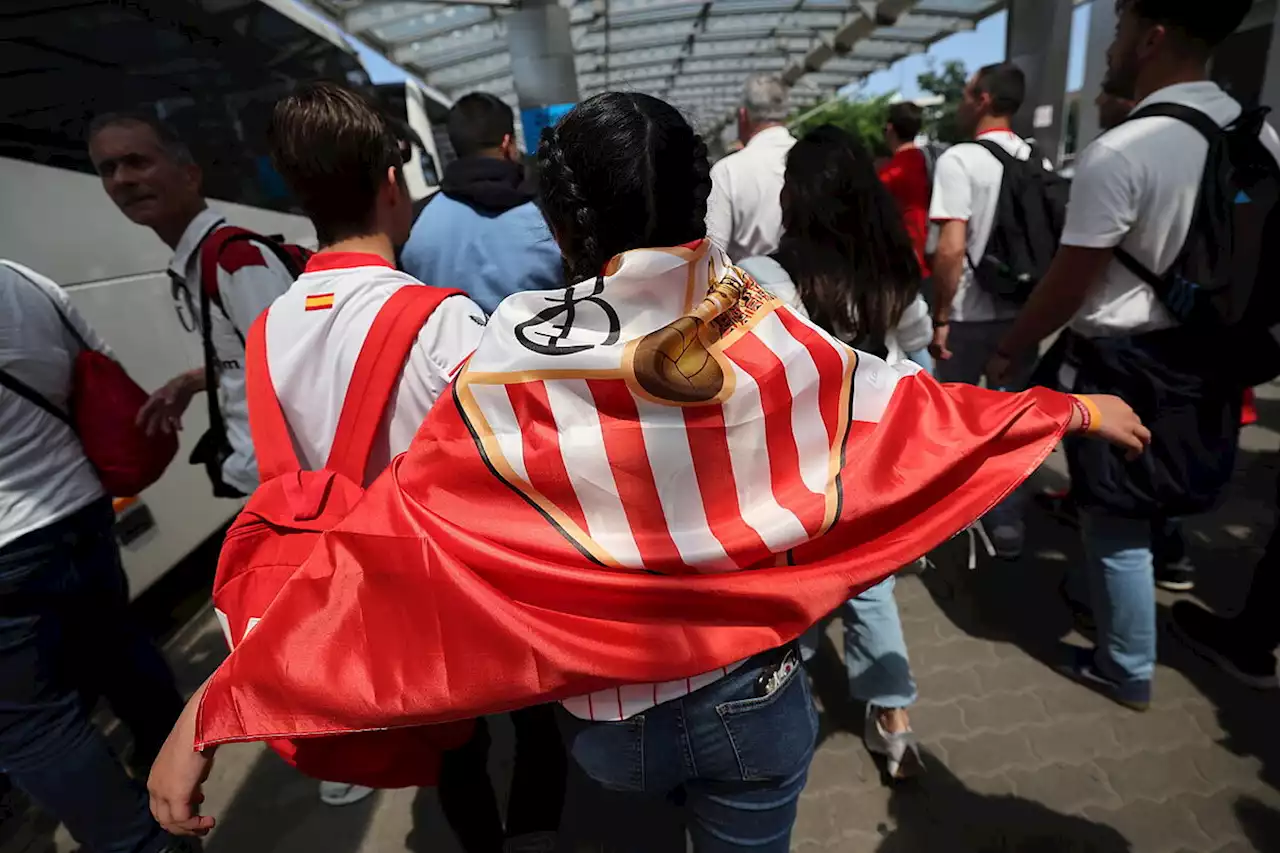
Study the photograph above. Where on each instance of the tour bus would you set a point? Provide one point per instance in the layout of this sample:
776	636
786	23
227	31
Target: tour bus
212	69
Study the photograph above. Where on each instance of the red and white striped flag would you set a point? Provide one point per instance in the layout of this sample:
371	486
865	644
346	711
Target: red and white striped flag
634	483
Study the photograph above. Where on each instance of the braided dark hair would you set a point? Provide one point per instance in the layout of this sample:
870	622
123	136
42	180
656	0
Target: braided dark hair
622	171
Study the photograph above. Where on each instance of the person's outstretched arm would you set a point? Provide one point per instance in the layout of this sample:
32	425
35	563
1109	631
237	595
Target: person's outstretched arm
177	775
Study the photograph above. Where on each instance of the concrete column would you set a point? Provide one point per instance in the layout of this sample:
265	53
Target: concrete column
546	81
1271	79
1102	31
1038	40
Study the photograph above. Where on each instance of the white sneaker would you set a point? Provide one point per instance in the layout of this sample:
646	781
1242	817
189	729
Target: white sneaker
900	750
342	794
1008	540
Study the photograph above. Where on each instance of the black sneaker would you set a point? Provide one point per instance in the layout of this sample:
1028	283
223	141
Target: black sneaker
1218	640
1178	576
1081	614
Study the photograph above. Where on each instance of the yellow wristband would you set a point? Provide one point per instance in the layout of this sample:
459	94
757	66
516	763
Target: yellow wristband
1095	414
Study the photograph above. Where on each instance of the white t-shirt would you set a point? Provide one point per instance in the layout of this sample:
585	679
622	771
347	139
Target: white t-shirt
44	474
312	354
744	212
966	187
250	277
1136	187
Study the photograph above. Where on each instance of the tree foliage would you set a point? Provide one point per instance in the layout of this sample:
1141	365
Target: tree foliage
949	83
864	118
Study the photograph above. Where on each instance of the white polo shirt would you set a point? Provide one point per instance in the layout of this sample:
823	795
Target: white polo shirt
966	187
312	354
1136	187
744	211
44	474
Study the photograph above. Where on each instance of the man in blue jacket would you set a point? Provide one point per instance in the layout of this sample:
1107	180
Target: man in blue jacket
482	233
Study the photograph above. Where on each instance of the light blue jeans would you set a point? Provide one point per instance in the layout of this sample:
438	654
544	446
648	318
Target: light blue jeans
875	652
1120	574
922	358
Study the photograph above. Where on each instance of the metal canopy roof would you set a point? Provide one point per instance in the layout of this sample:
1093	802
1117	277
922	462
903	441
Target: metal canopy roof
693	53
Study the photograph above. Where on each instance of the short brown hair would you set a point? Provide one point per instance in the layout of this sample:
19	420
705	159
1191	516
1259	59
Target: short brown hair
1006	84
906	119
333	149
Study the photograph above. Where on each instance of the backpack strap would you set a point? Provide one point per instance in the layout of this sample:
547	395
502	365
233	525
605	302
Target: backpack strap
998	151
16	385
272	441
1210	130
33	396
378	368
62	316
216	242
1207	127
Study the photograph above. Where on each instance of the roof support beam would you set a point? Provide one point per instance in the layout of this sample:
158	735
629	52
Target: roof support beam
874	14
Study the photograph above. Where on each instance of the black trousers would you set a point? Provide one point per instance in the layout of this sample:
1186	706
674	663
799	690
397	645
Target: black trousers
537	784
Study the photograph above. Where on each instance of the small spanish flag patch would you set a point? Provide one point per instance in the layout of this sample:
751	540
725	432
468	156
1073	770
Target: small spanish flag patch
320	302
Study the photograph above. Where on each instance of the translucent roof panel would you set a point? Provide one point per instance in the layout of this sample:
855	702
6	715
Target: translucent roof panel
697	53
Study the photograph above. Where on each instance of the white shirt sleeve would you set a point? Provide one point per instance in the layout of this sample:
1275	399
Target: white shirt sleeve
952	190
450	335
915	327
251	289
720	207
1104	199
59	299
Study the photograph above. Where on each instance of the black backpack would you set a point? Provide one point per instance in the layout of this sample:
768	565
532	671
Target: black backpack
1031	212
1224	279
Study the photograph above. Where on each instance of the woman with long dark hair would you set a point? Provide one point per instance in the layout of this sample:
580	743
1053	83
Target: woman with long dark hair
846	262
845	258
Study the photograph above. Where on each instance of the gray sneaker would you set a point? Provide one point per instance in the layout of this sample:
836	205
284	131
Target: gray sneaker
1009	539
900	749
342	794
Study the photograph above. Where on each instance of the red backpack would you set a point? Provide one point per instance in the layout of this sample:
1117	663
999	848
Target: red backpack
285	517
103	412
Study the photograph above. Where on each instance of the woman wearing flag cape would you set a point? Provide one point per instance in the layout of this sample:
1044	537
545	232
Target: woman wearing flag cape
639	491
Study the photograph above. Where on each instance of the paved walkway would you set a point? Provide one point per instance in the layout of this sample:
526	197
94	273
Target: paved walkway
1019	758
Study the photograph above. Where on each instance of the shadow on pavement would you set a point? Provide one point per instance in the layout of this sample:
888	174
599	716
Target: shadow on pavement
277	810
1260	823
937	812
1246	716
1019	602
840	713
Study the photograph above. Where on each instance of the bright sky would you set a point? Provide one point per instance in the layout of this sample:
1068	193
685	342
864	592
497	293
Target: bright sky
976	48
381	70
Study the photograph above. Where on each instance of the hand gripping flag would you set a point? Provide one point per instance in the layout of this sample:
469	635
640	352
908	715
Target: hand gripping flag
637	479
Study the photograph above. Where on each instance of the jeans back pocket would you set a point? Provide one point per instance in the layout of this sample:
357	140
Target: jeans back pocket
611	753
773	736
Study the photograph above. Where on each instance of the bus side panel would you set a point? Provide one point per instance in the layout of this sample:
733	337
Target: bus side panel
62	224
137	319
